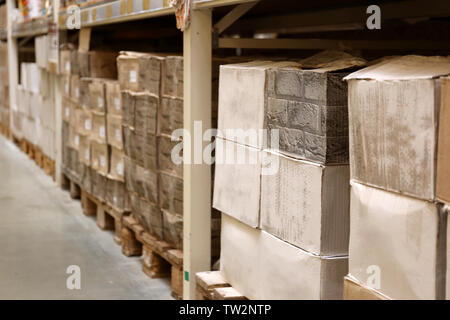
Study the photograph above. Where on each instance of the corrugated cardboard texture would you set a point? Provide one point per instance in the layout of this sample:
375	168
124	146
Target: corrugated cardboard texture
356	291
172	85
173	229
307	205
84	99
145	113
113	97
400	236
99	157
84	150
170	115
117	167
148	214
141	71
171	193
75	87
165	147
237	186
261	266
114	130
127	109
97	95
393	135
84	121
115	194
102	64
443	157
141	181
98	131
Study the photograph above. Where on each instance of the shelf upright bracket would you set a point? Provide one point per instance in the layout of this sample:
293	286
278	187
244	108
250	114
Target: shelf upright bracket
197	47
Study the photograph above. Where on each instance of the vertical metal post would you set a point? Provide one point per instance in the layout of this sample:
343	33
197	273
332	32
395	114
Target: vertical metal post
13	63
197	177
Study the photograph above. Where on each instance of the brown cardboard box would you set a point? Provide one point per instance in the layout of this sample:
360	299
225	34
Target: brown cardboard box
84	121
128	108
394	110
84	98
150	149
148	214
145	113
113	97
116	171
66	109
75	87
116	194
173	229
97	95
170	115
356	291
171	193
84	150
99	184
98	131
140	71
172	85
165	162
99	157
64	60
74	67
65	85
114	130
98	64
74	138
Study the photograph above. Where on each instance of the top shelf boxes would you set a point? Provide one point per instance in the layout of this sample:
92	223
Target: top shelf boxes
399	135
308	107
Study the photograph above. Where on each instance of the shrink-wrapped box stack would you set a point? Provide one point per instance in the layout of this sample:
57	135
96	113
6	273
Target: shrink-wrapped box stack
399	153
282	177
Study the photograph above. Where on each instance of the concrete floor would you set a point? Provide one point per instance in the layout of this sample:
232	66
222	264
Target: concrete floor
43	232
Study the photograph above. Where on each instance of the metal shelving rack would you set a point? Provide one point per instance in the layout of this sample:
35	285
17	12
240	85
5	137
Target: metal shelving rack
199	40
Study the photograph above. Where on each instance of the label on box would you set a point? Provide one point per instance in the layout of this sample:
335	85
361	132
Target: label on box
119	168
68	66
115	199
96	163
77	92
100	102
77	140
86	154
102	132
87	124
102	161
133	76
118	135
67	112
117	103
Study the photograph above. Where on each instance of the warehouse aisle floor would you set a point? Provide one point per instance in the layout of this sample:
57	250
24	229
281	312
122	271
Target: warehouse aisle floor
43	232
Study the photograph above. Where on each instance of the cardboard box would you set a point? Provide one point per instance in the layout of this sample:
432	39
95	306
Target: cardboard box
113	97
395	108
84	99
64	61
148	214
263	267
66	109
164	155
170	115
145	112
307	205
173	77
99	185
98	131
84	121
116	171
140	72
353	290
98	64
397	243
74	138
97	95
84	150
171	193
116	194
237	186
75	87
114	130
173	229
128	106
65	85
100	157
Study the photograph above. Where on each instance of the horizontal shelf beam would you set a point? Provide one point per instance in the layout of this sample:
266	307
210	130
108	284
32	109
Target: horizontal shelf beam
205	4
251	43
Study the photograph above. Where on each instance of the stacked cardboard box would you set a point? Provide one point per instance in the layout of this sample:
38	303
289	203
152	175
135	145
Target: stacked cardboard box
4	85
399	152
285	209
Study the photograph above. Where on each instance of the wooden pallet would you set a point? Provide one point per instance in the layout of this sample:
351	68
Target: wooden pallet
159	258
212	286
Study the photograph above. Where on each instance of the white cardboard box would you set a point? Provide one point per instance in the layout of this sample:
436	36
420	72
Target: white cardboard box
395	110
308	205
261	266
396	244
237	186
